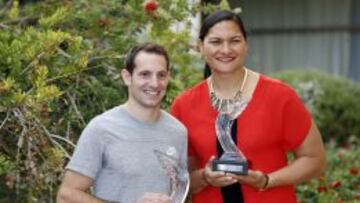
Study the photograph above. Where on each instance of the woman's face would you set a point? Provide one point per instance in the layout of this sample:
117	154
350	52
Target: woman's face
224	47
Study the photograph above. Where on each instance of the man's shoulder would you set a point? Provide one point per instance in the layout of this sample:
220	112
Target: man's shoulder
107	117
173	122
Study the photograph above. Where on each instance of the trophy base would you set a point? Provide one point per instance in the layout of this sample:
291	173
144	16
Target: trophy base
230	166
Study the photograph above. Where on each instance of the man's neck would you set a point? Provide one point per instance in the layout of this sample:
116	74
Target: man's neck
143	114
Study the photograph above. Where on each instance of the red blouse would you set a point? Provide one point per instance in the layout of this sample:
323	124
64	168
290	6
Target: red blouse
274	122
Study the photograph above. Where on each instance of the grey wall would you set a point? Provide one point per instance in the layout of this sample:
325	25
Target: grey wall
288	34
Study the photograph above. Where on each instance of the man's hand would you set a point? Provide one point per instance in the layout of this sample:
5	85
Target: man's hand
154	198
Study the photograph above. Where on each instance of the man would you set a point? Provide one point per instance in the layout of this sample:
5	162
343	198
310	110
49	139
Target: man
115	152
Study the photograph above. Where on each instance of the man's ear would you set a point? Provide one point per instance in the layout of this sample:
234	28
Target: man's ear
126	76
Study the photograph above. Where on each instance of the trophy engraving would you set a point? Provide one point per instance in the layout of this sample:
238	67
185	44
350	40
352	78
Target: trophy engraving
178	175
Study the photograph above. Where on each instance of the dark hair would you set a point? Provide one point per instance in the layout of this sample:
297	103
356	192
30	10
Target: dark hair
212	20
148	48
217	17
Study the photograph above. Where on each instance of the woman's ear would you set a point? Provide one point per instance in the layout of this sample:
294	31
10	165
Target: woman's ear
126	76
200	47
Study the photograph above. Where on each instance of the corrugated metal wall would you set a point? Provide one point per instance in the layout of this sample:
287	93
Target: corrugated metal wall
288	34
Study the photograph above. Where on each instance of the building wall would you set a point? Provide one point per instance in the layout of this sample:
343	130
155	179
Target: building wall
293	34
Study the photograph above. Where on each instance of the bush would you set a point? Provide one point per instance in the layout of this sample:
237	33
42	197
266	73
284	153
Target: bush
333	102
341	180
59	67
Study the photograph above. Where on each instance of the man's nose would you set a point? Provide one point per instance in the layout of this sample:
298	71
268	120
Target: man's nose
154	82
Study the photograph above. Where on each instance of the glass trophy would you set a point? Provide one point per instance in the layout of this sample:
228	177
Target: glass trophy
178	175
232	160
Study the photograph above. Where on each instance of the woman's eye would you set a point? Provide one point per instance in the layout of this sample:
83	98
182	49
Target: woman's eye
215	42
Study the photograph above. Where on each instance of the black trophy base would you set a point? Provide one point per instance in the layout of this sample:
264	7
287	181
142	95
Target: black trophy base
230	166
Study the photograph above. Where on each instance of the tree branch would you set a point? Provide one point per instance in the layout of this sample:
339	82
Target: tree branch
5	120
7	6
32	63
77	112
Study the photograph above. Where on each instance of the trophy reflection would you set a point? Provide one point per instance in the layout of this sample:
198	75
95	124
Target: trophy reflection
232	160
178	175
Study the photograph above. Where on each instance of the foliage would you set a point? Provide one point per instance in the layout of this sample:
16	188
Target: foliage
333	101
341	180
59	65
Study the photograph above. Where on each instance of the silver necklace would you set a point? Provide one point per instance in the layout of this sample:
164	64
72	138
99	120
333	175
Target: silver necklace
228	106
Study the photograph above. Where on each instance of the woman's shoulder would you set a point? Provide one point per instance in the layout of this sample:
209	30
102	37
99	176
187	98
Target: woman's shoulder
276	86
193	92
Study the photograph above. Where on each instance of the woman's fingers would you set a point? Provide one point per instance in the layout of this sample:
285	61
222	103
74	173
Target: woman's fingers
254	178
217	178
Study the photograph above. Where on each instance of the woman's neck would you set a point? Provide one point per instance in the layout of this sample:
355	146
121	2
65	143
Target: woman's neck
225	86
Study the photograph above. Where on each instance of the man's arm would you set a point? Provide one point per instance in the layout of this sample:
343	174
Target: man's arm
74	189
75	186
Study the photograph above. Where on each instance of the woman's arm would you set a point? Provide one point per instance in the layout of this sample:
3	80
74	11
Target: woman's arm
309	161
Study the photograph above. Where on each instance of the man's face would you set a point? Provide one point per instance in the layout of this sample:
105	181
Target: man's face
148	82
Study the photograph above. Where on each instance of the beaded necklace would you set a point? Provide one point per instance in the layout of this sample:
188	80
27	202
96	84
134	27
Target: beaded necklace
228	106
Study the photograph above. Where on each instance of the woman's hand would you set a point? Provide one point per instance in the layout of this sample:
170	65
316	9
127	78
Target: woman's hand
255	178
217	178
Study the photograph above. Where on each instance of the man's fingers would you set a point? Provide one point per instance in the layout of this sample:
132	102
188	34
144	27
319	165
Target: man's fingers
150	197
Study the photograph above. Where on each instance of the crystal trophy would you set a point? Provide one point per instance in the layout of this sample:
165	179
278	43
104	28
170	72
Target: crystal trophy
178	175
232	160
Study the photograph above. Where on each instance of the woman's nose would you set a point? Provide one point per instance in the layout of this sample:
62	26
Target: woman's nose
225	47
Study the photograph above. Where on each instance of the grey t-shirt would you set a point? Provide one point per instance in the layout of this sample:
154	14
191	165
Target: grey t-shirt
117	152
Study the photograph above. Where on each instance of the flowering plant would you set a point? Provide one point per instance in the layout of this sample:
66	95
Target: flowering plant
151	5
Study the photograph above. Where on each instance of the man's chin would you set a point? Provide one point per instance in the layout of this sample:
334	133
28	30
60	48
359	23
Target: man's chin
152	104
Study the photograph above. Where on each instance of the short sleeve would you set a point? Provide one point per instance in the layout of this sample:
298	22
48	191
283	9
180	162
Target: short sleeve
296	122
87	157
175	109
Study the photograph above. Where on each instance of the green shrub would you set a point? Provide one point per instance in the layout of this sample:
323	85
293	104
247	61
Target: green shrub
59	67
333	101
341	180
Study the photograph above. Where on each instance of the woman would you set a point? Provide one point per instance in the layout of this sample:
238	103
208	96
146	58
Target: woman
273	122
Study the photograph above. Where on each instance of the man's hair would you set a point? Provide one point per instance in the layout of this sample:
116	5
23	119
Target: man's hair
148	48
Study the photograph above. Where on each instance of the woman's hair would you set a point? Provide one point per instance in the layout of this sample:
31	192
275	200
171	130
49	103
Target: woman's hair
217	17
212	20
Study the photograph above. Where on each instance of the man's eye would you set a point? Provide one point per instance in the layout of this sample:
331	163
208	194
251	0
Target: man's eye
144	74
162	76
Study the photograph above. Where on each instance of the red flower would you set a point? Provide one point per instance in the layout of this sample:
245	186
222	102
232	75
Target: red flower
322	189
103	22
336	184
151	5
354	171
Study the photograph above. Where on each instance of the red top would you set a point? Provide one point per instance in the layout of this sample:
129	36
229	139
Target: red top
274	122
